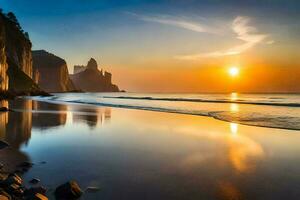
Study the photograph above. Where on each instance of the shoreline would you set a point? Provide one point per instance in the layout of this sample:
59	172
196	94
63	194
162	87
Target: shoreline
217	115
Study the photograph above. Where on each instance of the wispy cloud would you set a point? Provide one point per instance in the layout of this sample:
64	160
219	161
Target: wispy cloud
177	22
244	32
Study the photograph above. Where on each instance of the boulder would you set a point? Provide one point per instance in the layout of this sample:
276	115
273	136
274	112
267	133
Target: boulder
3	197
34	181
11	180
34	190
37	196
25	164
69	190
3	144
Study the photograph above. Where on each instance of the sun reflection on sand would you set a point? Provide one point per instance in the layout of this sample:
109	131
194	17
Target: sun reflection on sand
243	151
234	128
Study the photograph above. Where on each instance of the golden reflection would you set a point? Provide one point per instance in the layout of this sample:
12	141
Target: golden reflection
241	151
3	119
234	128
234	107
233	96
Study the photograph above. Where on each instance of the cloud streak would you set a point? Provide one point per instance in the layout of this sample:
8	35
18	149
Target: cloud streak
244	32
177	22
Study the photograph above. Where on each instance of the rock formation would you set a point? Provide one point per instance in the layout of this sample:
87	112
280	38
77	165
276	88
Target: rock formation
51	72
78	68
15	56
91	79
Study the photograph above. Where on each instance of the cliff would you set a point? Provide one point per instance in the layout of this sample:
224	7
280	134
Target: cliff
90	79
15	56
51	72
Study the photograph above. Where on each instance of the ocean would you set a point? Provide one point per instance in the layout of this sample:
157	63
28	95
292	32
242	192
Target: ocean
265	110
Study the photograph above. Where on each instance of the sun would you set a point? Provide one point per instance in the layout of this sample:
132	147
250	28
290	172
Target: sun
234	71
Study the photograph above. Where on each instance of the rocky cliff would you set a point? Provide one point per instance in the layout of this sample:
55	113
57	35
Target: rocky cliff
51	72
15	56
91	79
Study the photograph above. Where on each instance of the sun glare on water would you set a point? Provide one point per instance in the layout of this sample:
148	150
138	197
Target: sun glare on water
233	71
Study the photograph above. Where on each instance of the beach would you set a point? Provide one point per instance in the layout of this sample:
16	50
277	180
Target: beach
139	154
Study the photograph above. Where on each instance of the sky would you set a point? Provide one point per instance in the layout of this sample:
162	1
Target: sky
173	45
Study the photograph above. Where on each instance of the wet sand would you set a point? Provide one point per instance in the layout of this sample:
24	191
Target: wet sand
135	154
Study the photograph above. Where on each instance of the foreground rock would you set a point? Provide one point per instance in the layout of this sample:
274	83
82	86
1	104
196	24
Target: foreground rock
34	181
3	144
69	190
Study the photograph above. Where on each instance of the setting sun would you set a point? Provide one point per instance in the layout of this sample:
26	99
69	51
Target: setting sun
233	71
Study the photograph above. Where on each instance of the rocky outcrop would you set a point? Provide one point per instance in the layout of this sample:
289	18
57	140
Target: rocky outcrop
51	72
91	79
15	56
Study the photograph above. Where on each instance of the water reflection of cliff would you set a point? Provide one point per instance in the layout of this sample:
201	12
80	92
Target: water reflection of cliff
16	127
48	115
92	116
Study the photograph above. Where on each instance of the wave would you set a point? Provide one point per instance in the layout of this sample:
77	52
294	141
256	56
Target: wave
241	117
241	101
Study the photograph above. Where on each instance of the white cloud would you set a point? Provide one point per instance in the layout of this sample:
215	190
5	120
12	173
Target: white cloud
240	26
246	33
177	22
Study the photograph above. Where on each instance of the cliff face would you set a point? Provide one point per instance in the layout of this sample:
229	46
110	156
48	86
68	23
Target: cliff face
3	62
93	80
15	57
51	72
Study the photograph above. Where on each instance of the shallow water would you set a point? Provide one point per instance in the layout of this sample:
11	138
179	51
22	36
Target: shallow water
136	154
266	110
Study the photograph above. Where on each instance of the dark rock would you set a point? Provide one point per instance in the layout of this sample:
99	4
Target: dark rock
10	180
3	197
15	189
43	162
19	171
25	165
92	189
69	190
91	79
34	181
34	190
37	196
3	109
3	144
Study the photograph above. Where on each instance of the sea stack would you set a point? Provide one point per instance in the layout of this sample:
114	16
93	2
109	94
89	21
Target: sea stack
90	79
